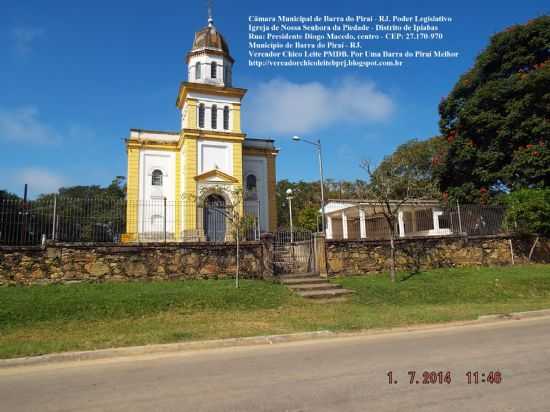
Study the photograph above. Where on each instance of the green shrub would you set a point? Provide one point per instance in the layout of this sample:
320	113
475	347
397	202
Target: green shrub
528	211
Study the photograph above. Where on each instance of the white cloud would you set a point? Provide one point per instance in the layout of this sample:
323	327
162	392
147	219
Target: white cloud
22	125
24	38
281	106
40	180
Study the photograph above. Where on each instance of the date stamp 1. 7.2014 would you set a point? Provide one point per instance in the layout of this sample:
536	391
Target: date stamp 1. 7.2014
446	378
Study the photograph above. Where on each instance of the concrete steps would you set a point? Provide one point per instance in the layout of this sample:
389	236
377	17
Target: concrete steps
308	287
300	275
312	286
325	294
303	281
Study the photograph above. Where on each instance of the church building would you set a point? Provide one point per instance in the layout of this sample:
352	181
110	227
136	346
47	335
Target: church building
173	176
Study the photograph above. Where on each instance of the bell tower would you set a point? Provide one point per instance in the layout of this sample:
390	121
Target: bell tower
209	61
211	139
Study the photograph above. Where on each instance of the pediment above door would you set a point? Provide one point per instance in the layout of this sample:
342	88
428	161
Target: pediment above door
216	176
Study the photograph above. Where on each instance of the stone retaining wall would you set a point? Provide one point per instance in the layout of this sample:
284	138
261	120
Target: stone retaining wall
65	263
60	263
360	257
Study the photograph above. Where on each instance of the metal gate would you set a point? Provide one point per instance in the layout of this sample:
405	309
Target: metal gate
215	216
293	252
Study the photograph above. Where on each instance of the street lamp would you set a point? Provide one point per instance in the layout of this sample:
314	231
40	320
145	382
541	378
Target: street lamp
289	198
317	144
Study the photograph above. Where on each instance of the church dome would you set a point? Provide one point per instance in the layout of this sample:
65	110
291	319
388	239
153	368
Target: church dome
210	38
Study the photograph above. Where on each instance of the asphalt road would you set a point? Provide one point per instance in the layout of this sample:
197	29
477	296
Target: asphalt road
343	374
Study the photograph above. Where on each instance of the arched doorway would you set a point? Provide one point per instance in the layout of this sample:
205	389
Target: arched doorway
214	218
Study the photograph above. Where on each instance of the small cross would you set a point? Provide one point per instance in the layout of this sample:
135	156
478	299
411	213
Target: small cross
210	19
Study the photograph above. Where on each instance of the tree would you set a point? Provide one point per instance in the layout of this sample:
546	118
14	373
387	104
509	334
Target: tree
309	218
88	213
5	195
306	200
495	119
395	182
419	158
528	211
240	224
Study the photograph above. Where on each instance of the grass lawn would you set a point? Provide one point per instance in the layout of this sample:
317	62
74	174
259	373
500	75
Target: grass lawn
42	319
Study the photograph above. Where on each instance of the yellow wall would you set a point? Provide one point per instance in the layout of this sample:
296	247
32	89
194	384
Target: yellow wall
236	111
190	185
177	196
238	169
191	121
132	193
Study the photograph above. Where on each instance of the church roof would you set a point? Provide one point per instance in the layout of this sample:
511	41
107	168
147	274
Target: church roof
212	40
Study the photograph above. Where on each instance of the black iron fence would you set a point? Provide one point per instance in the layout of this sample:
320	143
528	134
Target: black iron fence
117	220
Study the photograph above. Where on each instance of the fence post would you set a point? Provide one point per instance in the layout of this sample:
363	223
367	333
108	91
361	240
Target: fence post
164	220
54	216
267	255
511	251
319	249
459	217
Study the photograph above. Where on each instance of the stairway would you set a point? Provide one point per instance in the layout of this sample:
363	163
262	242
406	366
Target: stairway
283	262
312	286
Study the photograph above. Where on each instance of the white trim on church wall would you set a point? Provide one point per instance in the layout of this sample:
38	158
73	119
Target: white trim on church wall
142	135
212	153
212	98
257	166
151	197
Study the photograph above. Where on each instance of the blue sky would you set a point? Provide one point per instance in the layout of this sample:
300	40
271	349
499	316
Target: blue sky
76	76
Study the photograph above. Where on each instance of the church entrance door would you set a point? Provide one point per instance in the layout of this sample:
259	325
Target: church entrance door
215	215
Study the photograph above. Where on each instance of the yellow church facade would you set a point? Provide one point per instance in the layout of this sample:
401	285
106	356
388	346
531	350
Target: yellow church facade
173	177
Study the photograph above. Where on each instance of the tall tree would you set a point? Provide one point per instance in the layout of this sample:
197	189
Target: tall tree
496	119
416	158
396	181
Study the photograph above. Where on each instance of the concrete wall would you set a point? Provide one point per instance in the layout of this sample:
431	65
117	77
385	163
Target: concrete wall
61	263
360	257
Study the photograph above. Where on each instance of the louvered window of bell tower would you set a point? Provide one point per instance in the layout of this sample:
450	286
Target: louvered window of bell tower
198	71
226	118
214	70
214	117
201	115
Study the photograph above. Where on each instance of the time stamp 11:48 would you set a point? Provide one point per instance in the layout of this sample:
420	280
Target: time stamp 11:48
446	377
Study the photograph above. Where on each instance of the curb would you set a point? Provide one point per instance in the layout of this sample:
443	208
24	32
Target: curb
160	349
515	315
169	348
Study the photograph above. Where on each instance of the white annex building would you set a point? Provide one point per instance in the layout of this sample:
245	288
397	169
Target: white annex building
179	179
363	219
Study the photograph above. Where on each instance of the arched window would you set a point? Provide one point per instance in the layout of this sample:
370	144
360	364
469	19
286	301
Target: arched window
198	71
226	118
156	178
213	70
201	115
251	183
214	117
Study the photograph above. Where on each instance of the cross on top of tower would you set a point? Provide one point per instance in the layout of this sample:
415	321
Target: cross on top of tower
210	19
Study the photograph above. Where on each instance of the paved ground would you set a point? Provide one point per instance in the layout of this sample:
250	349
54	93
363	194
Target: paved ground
344	374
